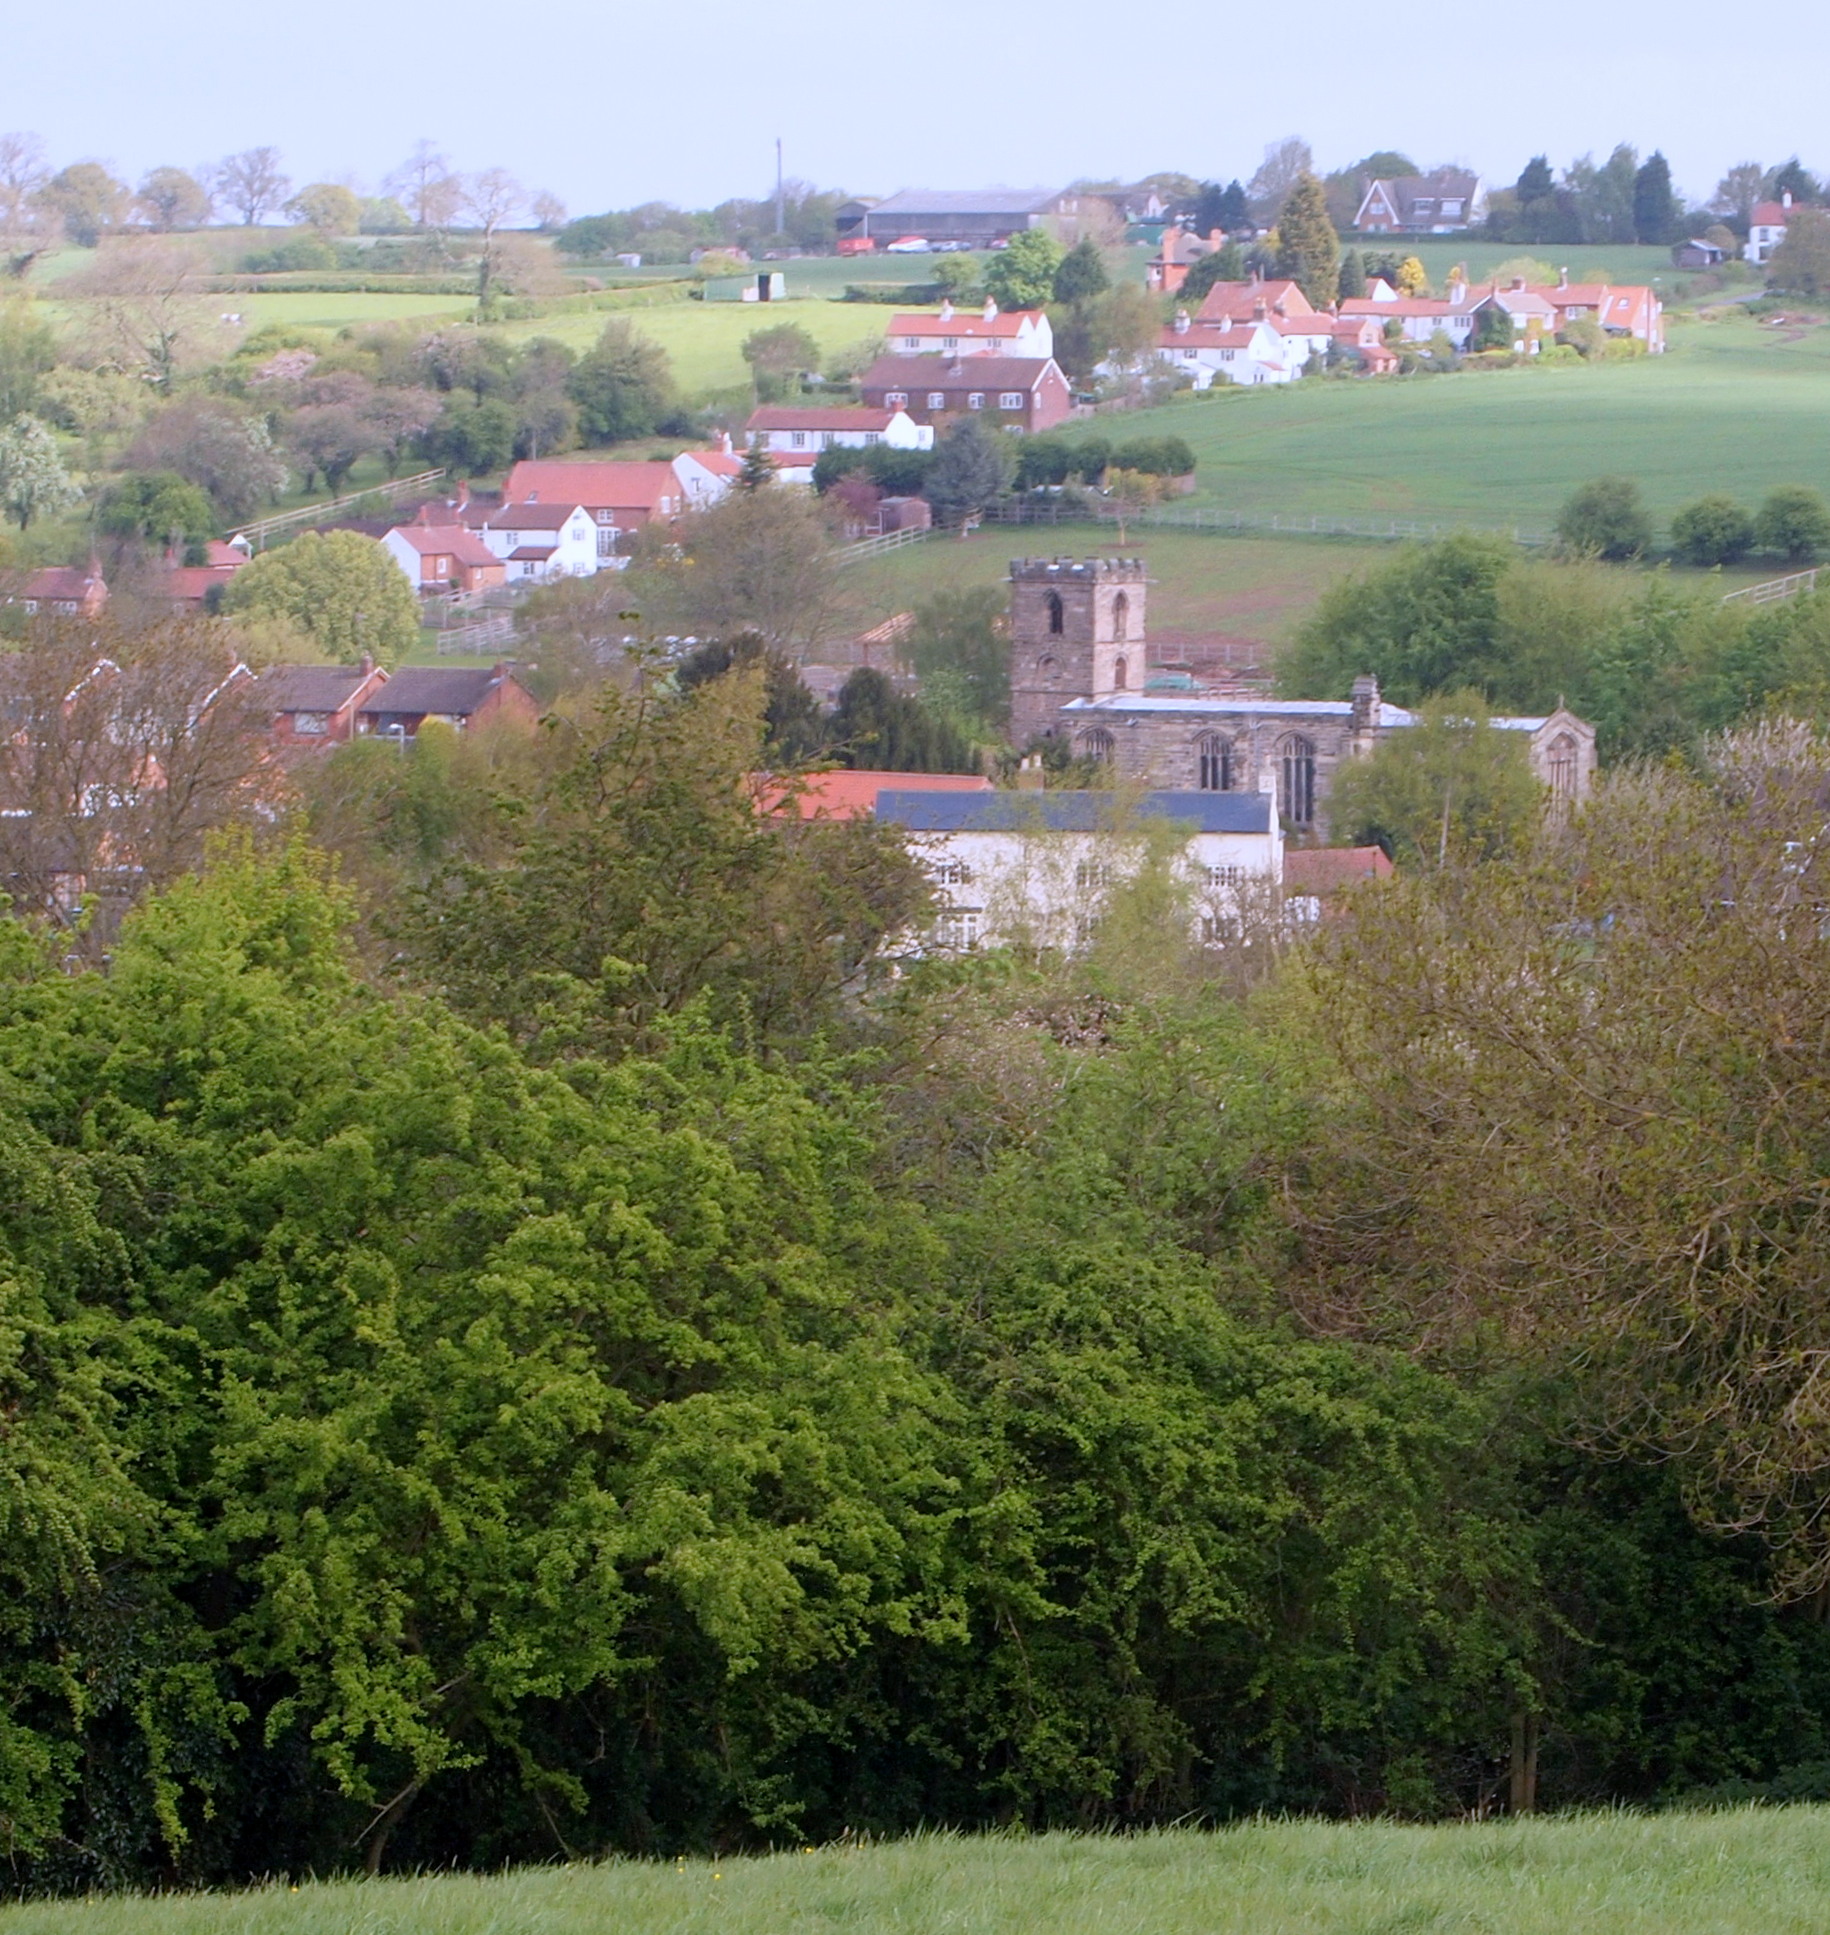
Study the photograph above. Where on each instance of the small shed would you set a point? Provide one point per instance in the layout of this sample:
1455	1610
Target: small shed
1696	254
766	285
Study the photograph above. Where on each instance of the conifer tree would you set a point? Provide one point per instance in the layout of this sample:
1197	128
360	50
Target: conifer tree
1309	251
1352	283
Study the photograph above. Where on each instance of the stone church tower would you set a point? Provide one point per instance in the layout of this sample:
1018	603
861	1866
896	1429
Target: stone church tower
1076	632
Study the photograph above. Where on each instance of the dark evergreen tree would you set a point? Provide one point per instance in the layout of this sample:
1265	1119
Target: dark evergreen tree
972	468
1082	274
876	727
1657	214
794	727
1234	209
1794	179
758	468
1352	280
1308	249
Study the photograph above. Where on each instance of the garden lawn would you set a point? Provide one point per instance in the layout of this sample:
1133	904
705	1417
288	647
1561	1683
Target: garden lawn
1736	406
1245	588
1747	1873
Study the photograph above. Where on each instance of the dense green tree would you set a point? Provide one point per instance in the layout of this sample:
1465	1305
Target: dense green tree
88	200
1022	274
959	647
874	725
1658	215
1453	788
1351	284
972	467
340	588
1308	249
159	506
1605	519
1082	273
623	385
1794	179
778	357
1801	263
793	722
1223	265
470	438
28	353
1713	530
1794	521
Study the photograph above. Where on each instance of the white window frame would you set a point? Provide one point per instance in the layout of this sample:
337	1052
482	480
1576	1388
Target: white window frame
937	399
975	399
1013	399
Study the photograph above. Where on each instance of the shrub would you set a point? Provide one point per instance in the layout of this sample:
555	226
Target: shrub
1794	521
1606	519
1713	530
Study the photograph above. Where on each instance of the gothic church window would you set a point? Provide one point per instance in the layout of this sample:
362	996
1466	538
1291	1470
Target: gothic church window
1121	618
1216	763
1299	781
1056	624
1121	674
1097	744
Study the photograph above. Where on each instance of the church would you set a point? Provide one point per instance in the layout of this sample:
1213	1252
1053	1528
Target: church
1080	670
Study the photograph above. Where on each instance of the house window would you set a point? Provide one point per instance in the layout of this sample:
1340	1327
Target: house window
1010	400
1215	761
951	873
911	342
937	399
1299	781
1225	877
606	544
949	342
975	400
895	399
1092	876
1056	619
1098	744
311	725
825	439
873	436
958	928
606	517
798	440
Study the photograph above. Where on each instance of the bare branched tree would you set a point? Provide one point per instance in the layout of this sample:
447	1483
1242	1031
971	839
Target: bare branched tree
491	199
427	187
252	183
146	303
27	228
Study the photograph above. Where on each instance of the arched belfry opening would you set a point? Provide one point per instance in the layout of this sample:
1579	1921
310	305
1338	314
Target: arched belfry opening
1057	617
1121	619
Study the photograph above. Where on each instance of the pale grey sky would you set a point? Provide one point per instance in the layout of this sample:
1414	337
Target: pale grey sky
611	102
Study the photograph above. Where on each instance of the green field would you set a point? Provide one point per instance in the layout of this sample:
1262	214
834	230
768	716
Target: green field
1244	588
1746	1873
1735	406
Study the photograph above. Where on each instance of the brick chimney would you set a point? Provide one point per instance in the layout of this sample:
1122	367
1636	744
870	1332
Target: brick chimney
991	310
1181	322
946	308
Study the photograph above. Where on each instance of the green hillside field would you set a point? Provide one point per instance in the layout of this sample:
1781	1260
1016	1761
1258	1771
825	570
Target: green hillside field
1751	1872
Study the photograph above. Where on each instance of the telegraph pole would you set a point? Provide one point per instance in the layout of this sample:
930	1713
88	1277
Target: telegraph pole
778	184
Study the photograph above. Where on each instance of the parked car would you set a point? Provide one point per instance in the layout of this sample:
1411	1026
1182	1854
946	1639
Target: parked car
909	245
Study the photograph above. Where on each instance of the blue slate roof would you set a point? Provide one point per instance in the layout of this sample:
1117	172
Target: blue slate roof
1076	812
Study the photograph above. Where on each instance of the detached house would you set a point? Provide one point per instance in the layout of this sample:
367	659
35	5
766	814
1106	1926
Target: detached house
443	557
462	697
618	498
314	707
1017	393
951	332
1445	202
1766	228
535	540
1248	353
65	590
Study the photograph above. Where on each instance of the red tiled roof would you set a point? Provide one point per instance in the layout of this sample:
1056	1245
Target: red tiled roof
1237	298
783	416
1407	306
611	485
1770	215
57	581
442	540
538	517
1208	336
1325	870
921	373
965	324
532	553
845	795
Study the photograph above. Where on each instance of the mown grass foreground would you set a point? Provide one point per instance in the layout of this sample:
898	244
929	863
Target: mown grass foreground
1671	1874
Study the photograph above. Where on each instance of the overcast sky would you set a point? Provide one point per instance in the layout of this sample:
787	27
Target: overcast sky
613	102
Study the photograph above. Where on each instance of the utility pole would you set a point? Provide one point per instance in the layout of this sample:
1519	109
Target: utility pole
778	184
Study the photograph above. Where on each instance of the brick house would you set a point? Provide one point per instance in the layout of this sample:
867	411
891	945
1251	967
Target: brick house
1015	392
443	557
314	707
463	697
63	590
1444	202
790	431
619	497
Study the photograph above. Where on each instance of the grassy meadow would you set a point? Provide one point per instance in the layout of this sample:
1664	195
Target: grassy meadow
1763	1872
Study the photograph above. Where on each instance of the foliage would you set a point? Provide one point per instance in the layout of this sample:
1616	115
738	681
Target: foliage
173	198
158	505
778	357
328	207
223	449
1801	263
793	724
1219	265
88	200
960	637
33	481
1605	519
1082	274
622	386
1022	274
874	725
1713	530
1308	249
1413	278
1658	216
1794	521
972	467
896	473
469	437
759	560
28	353
340	588
1452	788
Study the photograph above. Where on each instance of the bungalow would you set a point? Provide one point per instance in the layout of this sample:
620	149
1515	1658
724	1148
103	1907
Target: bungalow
315	706
443	557
463	697
618	497
1039	866
1444	202
708	475
790	431
61	590
1019	393
950	332
1766	228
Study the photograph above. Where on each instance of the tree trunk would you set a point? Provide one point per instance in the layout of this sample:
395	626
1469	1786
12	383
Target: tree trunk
1524	1798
